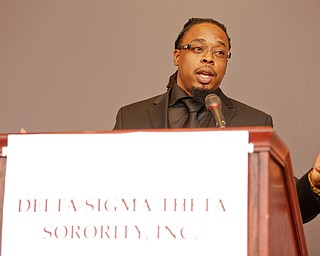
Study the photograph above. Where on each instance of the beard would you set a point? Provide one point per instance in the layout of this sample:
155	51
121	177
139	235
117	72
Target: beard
199	95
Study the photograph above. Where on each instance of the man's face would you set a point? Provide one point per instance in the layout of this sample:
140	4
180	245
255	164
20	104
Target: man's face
201	71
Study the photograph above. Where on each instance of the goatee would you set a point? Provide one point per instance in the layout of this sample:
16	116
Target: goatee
199	95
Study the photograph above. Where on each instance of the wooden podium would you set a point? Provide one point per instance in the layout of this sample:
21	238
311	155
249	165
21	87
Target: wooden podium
274	219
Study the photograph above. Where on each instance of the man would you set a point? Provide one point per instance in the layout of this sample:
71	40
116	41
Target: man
201	54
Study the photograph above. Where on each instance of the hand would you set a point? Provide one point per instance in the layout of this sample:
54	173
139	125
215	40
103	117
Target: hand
22	130
315	176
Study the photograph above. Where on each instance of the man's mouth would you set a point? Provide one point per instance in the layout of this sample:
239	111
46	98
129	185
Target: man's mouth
205	75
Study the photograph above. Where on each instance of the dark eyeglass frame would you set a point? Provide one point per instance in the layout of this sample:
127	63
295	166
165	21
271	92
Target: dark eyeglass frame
216	52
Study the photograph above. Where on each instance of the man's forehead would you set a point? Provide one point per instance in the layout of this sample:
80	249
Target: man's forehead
206	32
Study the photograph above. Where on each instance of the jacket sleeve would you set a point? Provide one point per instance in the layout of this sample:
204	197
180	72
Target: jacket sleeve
269	121
309	202
117	125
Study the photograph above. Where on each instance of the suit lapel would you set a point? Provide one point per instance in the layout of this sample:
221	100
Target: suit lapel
228	109
158	113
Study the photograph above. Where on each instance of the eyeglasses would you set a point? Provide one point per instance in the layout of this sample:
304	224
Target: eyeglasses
203	49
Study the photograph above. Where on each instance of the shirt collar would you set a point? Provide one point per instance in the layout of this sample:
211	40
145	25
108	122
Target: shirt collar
176	95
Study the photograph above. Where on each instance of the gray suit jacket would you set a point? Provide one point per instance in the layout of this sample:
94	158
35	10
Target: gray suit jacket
152	113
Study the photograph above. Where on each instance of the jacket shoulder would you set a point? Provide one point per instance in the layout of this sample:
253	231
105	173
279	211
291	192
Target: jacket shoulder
142	105
242	114
136	115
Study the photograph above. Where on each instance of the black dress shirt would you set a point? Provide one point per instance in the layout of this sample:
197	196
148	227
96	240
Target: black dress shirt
178	113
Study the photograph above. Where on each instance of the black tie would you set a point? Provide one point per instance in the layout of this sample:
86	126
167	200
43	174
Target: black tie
193	108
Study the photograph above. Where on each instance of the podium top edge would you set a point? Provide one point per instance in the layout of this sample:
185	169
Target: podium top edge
250	129
263	138
256	133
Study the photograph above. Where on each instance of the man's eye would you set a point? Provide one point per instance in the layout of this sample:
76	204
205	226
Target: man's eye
219	53
197	49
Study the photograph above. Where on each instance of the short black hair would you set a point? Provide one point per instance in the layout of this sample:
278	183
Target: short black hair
194	21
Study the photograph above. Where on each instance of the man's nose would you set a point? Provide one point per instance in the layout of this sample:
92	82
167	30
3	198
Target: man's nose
208	58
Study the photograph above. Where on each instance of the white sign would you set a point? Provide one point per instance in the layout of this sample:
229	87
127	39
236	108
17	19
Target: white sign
139	193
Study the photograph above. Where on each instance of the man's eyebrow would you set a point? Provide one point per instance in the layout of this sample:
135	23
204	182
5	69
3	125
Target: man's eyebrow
221	43
198	40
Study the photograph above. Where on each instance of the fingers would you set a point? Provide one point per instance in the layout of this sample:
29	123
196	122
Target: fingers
22	130
315	173
316	165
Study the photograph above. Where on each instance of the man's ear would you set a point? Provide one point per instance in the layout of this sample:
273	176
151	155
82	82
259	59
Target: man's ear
176	56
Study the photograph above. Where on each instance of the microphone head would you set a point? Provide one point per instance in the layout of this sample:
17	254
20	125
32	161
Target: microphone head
213	103
212	100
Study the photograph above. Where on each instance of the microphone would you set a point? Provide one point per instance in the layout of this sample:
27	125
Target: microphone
213	103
